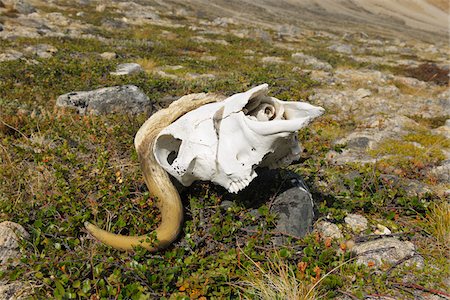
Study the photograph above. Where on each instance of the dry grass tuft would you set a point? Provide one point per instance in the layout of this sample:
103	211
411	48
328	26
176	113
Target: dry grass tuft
438	223
277	281
147	64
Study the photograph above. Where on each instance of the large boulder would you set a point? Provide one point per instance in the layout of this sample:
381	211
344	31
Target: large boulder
110	100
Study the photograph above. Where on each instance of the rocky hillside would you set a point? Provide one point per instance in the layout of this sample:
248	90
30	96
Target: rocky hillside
79	78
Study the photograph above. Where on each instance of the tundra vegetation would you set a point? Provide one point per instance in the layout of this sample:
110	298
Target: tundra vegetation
59	169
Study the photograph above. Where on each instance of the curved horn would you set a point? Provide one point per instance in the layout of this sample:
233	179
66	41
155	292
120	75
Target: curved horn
156	178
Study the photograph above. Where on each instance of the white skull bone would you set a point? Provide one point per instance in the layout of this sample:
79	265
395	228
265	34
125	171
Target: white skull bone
224	142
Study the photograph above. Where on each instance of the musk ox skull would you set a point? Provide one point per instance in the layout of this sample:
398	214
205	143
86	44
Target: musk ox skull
200	137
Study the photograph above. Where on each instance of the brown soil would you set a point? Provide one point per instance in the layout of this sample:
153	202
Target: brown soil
430	73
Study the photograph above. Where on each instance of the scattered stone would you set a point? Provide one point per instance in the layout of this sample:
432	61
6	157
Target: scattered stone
118	99
208	58
21	6
272	60
355	36
127	69
195	76
341	48
203	40
226	204
413	188
114	24
172	68
42	50
382	230
311	61
442	172
295	210
387	250
258	34
10	55
138	14
389	90
223	21
13	291
108	55
362	93
10	235
356	222
288	31
166	75
329	230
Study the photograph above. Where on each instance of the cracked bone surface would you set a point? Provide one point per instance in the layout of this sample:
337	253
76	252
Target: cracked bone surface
224	142
200	137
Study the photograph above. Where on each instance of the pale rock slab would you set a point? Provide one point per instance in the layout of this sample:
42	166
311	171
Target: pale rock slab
387	250
127	69
118	99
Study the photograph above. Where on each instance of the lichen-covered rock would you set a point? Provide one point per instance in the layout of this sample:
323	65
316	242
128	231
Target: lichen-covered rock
329	230
10	235
356	222
387	250
311	61
13	291
118	99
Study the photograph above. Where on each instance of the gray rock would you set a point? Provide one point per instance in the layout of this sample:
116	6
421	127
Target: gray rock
387	250
22	6
329	230
10	236
288	30
127	69
108	55
412	188
13	291
389	90
272	60
356	222
295	210
10	55
1	27
42	50
195	76
226	204
311	61
341	48
362	93
117	99
289	199
442	172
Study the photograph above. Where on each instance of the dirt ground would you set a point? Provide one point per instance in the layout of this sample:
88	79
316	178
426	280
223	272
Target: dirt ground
424	19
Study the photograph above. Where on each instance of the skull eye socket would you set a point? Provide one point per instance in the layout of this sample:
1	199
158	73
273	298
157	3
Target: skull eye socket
168	147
